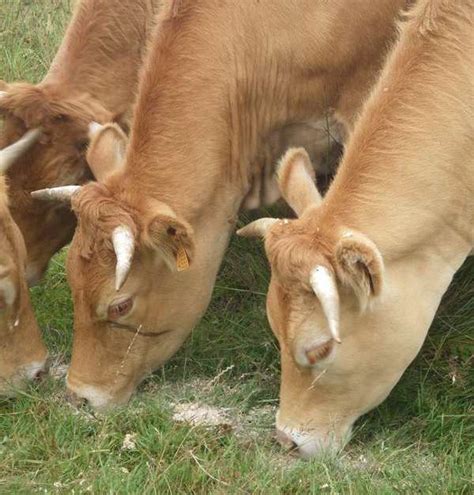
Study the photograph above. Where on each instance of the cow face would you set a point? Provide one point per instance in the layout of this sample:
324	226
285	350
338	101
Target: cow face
22	353
58	158
123	268
130	266
343	346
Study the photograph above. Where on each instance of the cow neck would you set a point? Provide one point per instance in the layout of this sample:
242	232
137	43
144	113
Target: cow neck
102	51
397	203
201	118
401	182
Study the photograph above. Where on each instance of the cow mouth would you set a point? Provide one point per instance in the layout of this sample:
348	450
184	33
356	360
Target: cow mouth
138	331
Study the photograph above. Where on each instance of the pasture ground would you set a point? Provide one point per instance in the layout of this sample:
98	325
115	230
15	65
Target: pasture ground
420	440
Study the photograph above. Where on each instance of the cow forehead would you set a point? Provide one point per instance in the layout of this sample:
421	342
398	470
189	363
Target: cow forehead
90	250
95	203
89	276
46	106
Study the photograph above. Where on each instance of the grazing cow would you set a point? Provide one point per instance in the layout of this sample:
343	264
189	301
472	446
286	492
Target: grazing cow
92	78
368	265
22	352
219	80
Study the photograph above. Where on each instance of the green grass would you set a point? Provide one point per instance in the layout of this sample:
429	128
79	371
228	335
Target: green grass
420	440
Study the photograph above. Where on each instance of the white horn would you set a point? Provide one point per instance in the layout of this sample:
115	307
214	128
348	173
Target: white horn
11	153
61	193
325	288
124	247
258	228
94	129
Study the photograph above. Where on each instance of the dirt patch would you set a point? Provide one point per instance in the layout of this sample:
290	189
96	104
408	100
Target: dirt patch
197	414
129	442
252	426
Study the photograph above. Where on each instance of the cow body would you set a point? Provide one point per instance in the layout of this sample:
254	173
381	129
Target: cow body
220	79
368	265
92	78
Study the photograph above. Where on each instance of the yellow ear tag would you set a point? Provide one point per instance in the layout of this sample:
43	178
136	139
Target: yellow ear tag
182	260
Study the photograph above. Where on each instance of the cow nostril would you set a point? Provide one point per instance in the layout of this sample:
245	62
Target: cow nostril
39	375
285	440
75	400
292	448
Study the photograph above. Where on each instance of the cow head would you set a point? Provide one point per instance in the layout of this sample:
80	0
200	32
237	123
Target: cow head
22	353
344	343
134	297
57	158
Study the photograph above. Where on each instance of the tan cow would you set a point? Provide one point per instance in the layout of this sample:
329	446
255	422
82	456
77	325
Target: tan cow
92	78
368	265
22	352
220	79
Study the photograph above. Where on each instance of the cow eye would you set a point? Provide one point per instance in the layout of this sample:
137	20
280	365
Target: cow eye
120	309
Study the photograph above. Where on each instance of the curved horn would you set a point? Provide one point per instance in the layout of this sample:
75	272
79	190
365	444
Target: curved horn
62	193
9	154
324	286
94	129
258	228
124	247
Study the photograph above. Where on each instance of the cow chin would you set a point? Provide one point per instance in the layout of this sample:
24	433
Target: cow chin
100	399
308	441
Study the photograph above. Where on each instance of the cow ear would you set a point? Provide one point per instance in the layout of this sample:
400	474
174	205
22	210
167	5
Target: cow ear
359	264
124	121
172	238
297	181
106	152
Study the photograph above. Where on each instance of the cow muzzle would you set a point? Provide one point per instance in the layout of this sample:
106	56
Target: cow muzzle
31	372
312	442
99	399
